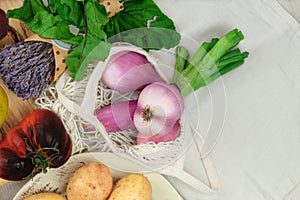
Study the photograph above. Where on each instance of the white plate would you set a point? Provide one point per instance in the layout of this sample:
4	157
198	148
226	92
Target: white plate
56	179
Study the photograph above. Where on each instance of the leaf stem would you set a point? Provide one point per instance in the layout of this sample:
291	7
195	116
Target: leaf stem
85	30
182	56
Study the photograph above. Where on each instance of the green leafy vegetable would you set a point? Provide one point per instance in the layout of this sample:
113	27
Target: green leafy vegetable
89	49
212	60
95	37
143	24
140	23
69	11
41	21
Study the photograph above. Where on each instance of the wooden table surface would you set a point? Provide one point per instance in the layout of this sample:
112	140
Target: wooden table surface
19	108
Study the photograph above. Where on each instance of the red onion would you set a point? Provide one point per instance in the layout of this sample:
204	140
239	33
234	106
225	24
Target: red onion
170	136
159	107
116	116
127	71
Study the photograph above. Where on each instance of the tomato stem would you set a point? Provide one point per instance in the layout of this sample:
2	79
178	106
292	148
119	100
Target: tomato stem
39	158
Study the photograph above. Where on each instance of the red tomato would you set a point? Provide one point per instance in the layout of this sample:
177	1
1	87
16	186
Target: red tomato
39	141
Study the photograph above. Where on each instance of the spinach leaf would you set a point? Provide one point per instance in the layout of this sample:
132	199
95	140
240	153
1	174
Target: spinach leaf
90	49
70	11
42	21
27	11
96	18
140	23
48	26
93	46
143	24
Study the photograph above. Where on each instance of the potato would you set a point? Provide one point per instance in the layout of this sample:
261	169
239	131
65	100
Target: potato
132	186
45	196
92	181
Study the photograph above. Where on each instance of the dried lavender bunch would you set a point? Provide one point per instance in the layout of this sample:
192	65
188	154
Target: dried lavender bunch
27	68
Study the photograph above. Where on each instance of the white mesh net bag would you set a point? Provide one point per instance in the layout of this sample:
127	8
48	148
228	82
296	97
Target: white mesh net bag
76	102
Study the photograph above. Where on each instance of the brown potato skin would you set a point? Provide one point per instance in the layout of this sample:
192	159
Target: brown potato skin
46	196
132	186
92	181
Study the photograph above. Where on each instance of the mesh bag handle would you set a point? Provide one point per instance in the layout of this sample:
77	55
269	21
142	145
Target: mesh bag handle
178	172
86	108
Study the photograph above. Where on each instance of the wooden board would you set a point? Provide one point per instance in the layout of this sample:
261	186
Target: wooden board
17	107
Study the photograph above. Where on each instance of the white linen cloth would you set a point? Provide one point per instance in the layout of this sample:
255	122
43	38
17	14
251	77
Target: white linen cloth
257	153
257	150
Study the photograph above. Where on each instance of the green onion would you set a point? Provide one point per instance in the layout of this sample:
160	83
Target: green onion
200	53
212	60
226	43
182	55
220	64
231	54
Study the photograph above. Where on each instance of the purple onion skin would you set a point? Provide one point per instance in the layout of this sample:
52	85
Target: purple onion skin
170	136
3	24
116	116
160	106
128	71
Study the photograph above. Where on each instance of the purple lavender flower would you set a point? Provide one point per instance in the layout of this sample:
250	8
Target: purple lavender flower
27	68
